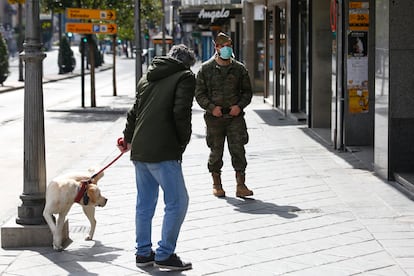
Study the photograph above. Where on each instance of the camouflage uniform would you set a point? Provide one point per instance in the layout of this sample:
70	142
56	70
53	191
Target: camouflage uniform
224	86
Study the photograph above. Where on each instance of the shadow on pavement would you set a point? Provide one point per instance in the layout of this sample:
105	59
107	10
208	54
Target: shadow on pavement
275	118
151	270
258	207
69	259
358	160
84	115
361	161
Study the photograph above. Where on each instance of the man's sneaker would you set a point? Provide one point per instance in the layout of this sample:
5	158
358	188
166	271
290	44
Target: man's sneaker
173	263
142	261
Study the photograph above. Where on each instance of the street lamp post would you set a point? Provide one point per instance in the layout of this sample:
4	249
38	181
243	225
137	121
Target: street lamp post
34	186
138	47
163	29
20	39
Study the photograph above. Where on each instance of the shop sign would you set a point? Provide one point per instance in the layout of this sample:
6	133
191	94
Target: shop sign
214	14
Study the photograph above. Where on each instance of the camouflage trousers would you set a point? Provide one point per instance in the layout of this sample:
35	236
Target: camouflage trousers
235	131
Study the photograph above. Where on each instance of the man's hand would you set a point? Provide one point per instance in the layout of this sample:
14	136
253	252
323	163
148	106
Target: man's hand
122	145
217	111
234	110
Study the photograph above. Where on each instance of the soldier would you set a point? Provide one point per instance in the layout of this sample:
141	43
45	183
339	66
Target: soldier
223	90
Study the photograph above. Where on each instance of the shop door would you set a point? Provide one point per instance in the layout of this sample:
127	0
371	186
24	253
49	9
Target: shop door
280	53
303	61
207	46
299	59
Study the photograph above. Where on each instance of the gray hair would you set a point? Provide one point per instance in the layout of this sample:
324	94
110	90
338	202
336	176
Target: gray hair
182	53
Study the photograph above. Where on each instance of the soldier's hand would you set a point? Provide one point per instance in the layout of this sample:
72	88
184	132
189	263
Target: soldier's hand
217	111
234	110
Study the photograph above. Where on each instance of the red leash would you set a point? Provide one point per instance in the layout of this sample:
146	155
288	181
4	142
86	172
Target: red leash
82	190
120	142
104	168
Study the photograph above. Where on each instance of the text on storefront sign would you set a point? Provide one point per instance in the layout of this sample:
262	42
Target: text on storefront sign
212	15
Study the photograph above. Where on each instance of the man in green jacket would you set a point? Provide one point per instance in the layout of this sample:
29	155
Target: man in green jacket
223	89
157	132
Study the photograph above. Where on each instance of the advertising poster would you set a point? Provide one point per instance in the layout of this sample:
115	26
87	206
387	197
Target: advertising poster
357	44
357	68
358	100
357	62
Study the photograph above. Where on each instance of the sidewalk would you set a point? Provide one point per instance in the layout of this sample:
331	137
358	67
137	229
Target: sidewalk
315	212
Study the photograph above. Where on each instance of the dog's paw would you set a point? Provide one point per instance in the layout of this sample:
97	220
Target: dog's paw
88	238
58	248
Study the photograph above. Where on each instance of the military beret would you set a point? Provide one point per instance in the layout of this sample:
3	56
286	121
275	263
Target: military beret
222	38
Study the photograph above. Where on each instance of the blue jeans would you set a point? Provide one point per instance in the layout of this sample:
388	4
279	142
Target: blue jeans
149	176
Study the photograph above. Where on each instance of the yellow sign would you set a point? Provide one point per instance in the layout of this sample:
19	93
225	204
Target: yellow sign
91	28
90	14
358	100
359	19
359	16
358	5
17	1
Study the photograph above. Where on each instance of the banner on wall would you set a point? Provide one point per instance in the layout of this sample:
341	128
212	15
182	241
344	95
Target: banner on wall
357	61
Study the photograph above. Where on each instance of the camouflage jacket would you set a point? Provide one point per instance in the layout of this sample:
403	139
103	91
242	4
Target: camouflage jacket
223	85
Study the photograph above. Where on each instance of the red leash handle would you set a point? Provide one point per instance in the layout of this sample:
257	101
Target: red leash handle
121	142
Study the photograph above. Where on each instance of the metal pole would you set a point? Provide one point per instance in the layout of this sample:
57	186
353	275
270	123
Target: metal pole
138	47
20	40
114	93
83	49
163	29
34	175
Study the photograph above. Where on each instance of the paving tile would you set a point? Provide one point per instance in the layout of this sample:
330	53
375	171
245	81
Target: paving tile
406	262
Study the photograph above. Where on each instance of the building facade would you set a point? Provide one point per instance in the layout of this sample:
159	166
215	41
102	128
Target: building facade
202	20
342	66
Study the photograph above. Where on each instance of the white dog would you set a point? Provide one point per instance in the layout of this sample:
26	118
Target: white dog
62	192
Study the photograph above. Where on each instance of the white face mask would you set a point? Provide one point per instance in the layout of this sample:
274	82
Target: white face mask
226	52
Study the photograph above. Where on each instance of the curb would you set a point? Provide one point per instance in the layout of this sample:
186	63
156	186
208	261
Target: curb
51	78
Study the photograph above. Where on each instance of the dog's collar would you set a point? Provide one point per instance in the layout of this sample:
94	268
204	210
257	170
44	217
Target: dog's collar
82	192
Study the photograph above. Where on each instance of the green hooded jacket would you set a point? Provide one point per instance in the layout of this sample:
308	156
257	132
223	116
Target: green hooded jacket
159	123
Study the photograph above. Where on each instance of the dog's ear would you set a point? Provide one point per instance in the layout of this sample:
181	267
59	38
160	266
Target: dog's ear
92	171
92	192
97	178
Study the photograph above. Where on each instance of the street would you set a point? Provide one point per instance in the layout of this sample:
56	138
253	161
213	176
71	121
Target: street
66	123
